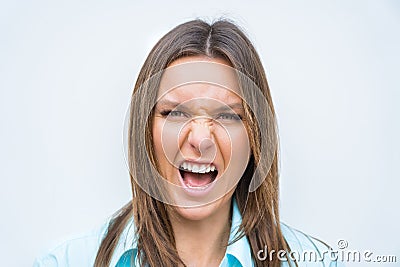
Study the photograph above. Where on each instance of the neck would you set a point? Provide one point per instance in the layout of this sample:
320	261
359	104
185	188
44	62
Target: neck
203	242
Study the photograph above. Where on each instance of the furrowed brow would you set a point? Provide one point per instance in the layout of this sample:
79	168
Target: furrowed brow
229	107
167	103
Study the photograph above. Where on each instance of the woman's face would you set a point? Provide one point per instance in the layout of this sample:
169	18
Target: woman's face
200	141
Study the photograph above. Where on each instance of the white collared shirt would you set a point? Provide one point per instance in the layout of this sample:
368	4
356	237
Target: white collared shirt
82	251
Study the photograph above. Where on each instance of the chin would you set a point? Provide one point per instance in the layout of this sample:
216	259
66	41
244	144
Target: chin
205	211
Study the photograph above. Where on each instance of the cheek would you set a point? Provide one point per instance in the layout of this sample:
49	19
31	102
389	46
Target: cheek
165	139
234	144
235	150
240	147
157	140
224	142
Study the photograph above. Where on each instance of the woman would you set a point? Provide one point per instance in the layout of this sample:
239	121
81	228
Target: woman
202	153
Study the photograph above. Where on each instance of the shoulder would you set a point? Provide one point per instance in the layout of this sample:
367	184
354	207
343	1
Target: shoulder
308	250
299	241
78	251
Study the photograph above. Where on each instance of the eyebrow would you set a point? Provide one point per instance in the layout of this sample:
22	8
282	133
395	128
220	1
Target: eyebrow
233	106
226	107
165	102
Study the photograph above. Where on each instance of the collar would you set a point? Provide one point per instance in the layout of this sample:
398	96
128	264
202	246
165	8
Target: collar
240	250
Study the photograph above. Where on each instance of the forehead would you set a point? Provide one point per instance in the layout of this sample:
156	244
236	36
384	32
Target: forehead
200	93
197	77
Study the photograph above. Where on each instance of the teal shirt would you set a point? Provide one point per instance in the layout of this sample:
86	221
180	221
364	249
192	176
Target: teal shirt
82	251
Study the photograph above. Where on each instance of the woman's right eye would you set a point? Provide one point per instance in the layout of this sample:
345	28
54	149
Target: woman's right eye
176	113
173	113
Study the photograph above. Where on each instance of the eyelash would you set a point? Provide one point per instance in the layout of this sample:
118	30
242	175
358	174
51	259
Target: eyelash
224	116
168	112
231	116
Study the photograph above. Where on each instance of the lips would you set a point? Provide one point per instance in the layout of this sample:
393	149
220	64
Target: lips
197	176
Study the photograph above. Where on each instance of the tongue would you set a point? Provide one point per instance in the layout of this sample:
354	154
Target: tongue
197	179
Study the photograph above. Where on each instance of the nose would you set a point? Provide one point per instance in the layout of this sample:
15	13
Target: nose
200	135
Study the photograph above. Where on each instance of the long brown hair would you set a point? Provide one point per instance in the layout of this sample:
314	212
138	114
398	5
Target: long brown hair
259	209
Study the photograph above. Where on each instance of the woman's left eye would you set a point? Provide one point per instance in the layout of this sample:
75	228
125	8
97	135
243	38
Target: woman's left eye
229	116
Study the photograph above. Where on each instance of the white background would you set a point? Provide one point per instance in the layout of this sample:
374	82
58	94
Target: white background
67	71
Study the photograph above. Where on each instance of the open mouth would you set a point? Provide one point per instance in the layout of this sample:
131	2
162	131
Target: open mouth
197	176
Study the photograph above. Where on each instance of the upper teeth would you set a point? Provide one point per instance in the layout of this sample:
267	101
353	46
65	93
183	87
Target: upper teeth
197	168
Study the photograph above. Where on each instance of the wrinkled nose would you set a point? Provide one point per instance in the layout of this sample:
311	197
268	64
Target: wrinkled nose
200	136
